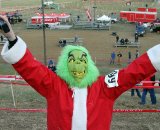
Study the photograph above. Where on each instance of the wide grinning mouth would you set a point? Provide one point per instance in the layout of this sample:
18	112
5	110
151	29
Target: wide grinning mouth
78	74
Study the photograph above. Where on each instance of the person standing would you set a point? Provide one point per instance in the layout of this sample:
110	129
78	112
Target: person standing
137	54
149	88
2	38
129	57
137	91
117	38
136	37
76	39
119	56
51	65
78	18
132	90
113	57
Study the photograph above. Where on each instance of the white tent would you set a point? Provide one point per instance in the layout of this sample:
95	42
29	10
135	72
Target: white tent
104	18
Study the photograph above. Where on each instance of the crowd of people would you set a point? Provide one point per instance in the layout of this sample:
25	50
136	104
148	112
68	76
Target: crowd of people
116	58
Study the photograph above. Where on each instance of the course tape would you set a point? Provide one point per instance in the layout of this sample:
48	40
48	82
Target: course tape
135	110
11	77
148	87
14	83
25	84
24	110
45	110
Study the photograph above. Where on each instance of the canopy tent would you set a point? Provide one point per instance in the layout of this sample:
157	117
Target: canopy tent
104	18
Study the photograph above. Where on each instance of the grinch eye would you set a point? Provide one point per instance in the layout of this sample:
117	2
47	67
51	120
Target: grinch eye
84	61
71	60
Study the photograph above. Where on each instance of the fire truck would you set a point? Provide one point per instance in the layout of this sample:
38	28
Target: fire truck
49	20
143	15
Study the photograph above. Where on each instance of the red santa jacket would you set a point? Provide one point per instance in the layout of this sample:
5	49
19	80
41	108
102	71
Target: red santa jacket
78	109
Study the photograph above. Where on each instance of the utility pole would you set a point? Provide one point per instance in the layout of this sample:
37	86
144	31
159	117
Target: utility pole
44	34
94	10
0	4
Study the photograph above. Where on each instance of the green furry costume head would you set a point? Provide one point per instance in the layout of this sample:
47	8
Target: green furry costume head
62	68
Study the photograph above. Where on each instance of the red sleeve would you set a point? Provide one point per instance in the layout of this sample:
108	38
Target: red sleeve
126	78
35	73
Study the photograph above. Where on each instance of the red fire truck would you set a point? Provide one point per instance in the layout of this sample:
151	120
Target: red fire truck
47	20
141	15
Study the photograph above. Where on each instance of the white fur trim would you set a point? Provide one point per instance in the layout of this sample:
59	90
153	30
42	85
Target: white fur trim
112	79
14	54
154	56
79	118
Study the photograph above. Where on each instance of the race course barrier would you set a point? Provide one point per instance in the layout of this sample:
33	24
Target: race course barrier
11	78
23	110
45	110
14	80
135	110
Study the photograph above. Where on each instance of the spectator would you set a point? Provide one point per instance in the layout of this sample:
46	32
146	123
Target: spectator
64	43
129	57
122	41
149	88
113	57
126	40
119	56
78	18
117	38
137	54
136	37
76	39
137	91
132	90
2	38
51	65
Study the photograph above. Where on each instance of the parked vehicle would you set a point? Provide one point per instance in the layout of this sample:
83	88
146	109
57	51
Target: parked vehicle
113	18
140	30
155	25
141	15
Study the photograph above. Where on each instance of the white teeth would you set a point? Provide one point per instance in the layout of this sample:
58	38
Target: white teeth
78	73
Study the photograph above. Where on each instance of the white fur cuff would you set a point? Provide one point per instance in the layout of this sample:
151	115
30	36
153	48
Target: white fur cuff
154	56
14	54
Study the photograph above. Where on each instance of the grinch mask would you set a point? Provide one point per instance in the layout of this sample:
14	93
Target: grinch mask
76	67
77	64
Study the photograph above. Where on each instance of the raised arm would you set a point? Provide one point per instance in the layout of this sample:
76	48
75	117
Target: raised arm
6	29
16	53
141	68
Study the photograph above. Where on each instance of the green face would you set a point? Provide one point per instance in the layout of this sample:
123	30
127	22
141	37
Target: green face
77	64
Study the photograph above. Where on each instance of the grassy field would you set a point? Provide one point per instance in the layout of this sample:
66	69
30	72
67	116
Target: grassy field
74	7
27	98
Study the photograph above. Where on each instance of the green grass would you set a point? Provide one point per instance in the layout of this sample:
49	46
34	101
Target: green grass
25	97
15	3
6	69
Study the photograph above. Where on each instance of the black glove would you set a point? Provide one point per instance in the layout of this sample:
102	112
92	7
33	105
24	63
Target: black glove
4	26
